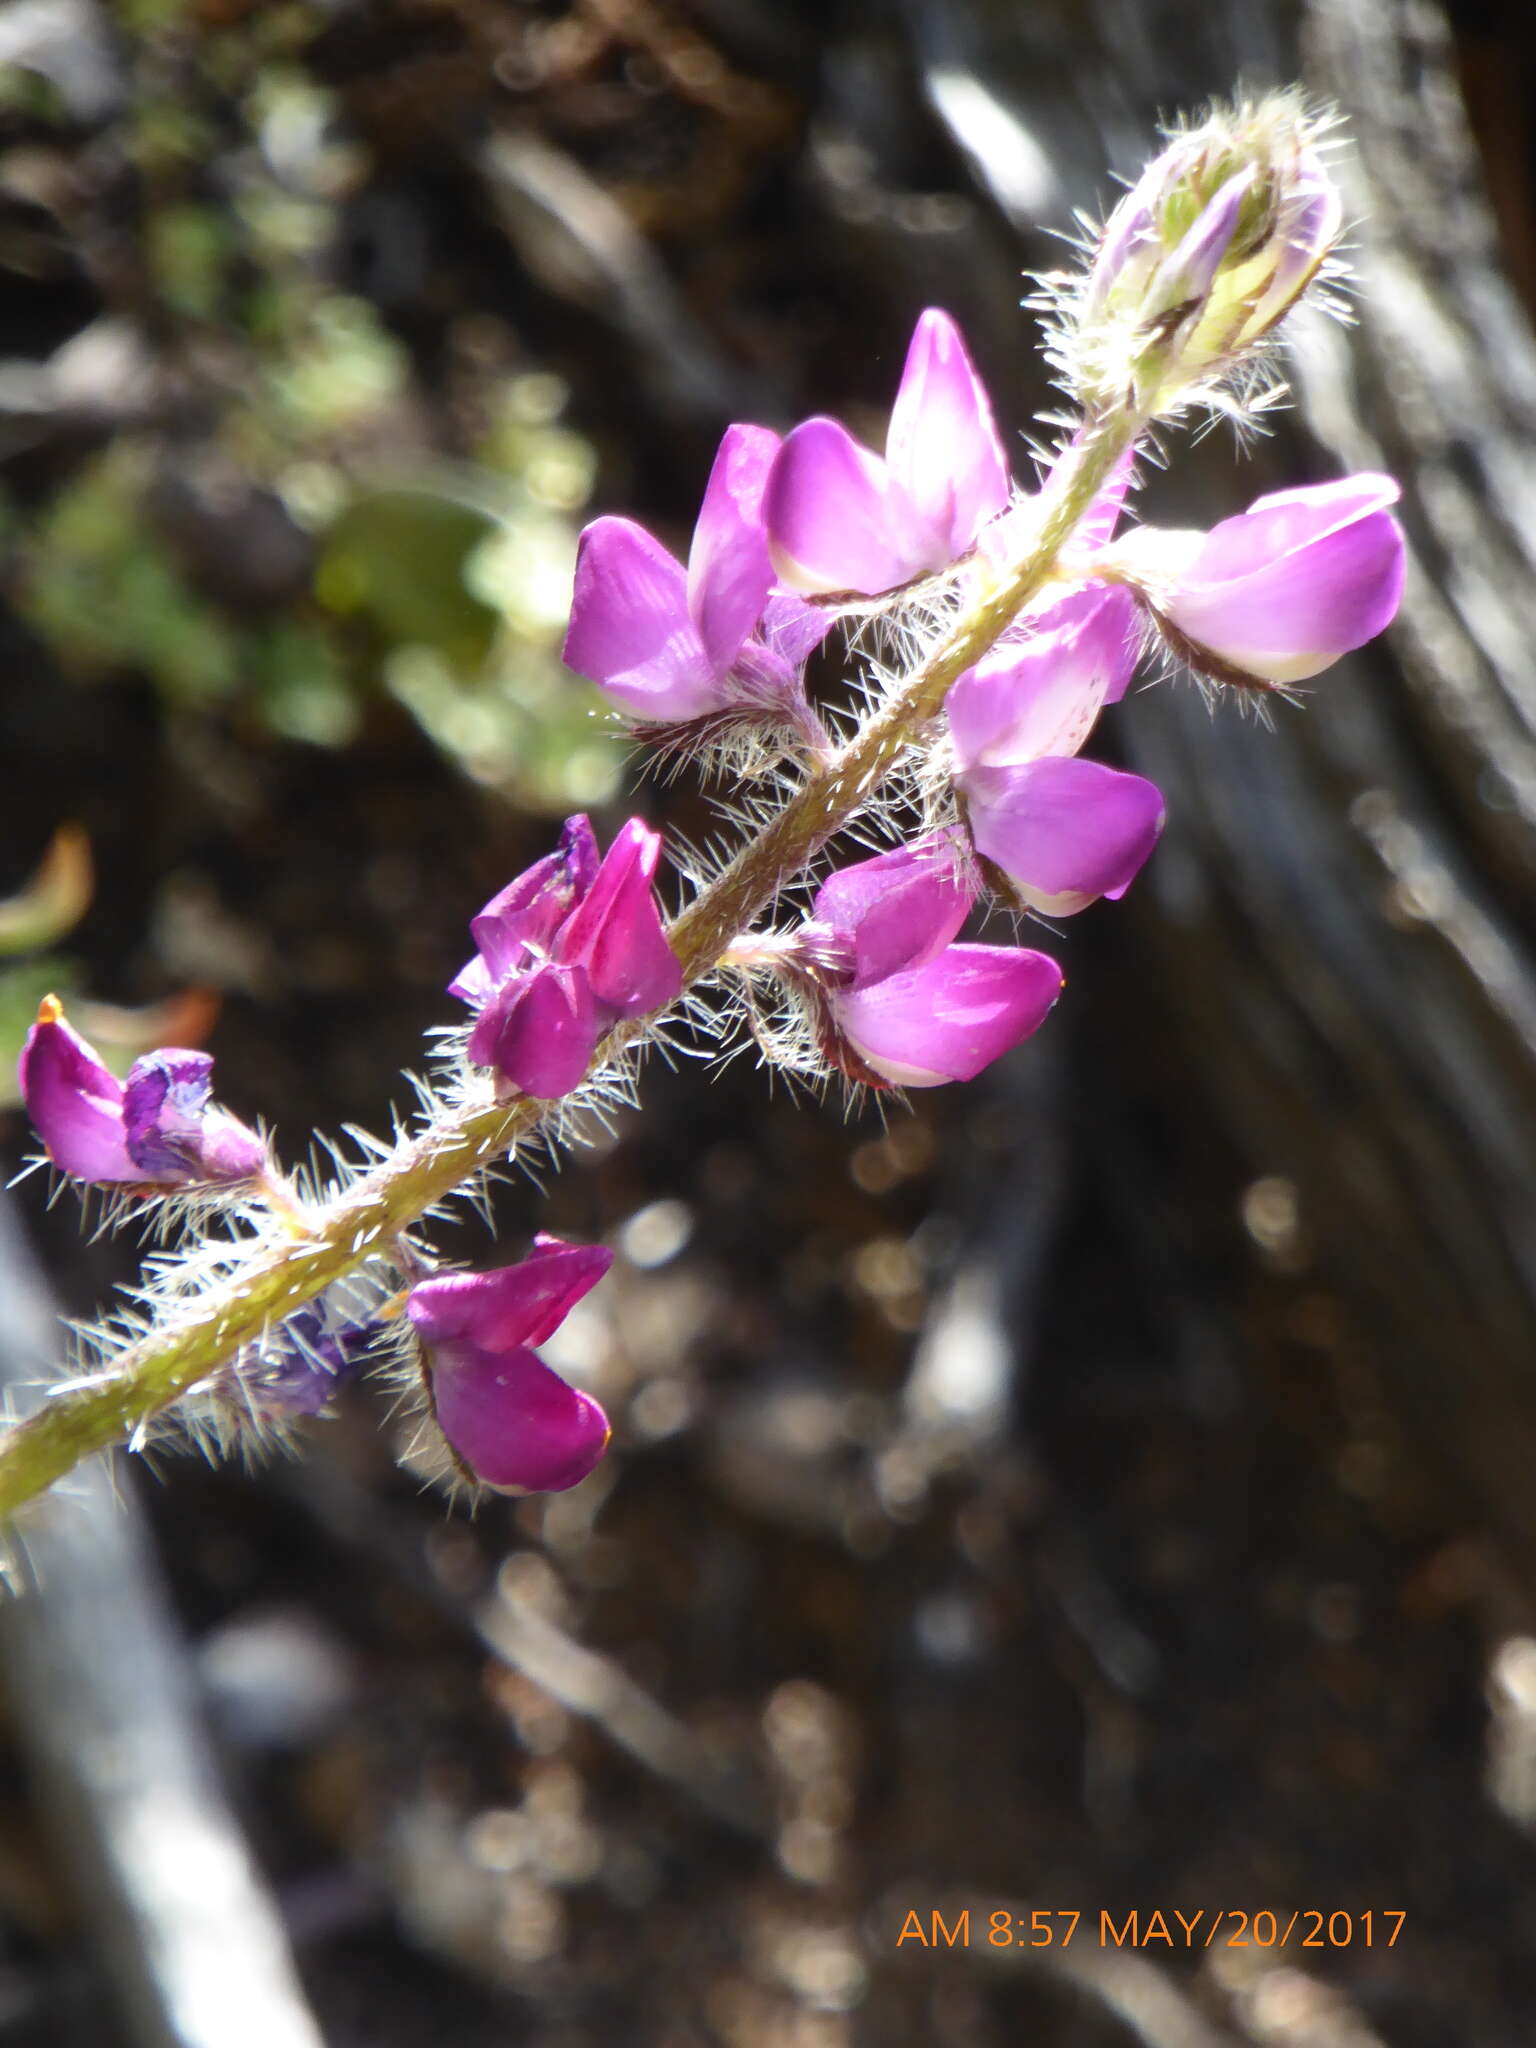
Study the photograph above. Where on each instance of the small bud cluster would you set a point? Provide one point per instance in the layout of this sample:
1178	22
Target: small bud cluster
1025	614
1203	258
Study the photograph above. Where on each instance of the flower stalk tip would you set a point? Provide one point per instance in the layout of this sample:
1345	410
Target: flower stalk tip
1204	256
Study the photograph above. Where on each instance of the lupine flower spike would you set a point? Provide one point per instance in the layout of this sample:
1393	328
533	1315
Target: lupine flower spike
674	646
158	1130
565	951
512	1420
1008	621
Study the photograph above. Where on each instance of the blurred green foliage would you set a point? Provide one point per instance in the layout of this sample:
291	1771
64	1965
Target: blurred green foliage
422	544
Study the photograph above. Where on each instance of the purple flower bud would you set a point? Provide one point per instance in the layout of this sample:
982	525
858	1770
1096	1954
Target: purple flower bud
673	645
895	1003
840	518
565	951
158	1130
513	1421
1063	831
1286	587
1207	252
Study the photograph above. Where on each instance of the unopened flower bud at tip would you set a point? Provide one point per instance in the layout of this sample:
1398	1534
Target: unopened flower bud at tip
1204	256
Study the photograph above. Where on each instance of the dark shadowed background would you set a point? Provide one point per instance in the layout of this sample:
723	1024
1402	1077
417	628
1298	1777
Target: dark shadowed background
1104	1487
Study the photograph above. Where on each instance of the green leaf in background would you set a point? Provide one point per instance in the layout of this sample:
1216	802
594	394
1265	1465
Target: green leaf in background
398	558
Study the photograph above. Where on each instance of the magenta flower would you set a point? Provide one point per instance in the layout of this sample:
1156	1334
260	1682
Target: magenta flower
565	951
159	1129
840	518
1286	587
1064	831
669	644
895	1002
513	1421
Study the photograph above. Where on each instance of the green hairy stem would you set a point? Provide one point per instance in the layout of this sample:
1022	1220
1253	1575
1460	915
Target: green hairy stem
360	1223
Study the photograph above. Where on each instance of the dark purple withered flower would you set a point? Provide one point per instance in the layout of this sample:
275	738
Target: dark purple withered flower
297	1368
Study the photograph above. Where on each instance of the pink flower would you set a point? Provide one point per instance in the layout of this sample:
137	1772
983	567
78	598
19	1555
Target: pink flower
565	951
159	1129
897	1004
512	1420
1286	587
840	518
672	644
1064	831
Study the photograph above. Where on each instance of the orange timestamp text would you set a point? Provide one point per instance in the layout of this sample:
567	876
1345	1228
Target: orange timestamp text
1155	1928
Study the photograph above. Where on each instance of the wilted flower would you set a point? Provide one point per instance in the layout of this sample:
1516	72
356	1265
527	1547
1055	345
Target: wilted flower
1064	831
894	1001
670	644
296	1368
512	1420
840	518
565	951
157	1129
1282	590
1205	254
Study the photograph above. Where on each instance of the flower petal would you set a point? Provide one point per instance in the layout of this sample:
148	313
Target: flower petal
947	1020
943	443
538	1031
897	910
793	629
516	1424
1065	832
838	520
616	933
521	1304
1041	696
1302	577
729	573
75	1103
173	1133
631	632
526	915
1188	272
